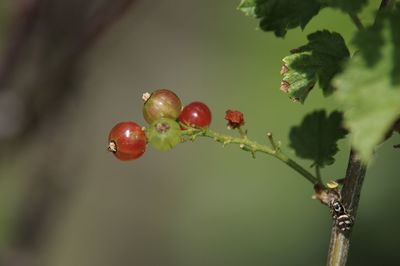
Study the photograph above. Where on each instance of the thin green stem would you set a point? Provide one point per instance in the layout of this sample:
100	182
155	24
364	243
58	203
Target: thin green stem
252	147
242	132
356	20
298	168
318	173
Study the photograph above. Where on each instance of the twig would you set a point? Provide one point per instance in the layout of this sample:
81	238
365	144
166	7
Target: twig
356	170
39	21
385	4
106	16
59	60
24	23
340	241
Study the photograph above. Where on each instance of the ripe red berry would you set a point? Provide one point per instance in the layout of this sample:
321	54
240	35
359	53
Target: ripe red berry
127	141
162	103
196	114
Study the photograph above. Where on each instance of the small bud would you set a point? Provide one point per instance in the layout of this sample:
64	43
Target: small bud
332	184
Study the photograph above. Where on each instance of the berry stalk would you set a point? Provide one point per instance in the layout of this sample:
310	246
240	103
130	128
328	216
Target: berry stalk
253	147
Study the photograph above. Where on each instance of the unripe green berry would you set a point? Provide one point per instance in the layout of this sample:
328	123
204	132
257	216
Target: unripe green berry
164	134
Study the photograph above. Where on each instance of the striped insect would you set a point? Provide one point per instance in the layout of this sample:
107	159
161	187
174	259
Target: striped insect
341	215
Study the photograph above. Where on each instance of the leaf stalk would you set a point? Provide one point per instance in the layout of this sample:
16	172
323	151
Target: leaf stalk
356	20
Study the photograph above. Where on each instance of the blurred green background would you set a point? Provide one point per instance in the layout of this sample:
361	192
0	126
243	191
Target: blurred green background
198	204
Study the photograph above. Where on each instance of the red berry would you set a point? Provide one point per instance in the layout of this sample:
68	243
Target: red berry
127	141
196	114
161	104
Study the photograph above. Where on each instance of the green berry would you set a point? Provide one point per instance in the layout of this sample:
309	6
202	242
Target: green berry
164	134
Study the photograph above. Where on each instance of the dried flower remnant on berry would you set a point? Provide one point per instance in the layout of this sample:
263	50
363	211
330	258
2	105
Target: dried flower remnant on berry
146	96
235	119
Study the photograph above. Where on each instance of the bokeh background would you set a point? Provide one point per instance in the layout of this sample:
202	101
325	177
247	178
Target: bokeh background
70	70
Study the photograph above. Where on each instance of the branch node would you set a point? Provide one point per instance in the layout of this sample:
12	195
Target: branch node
275	146
226	142
332	184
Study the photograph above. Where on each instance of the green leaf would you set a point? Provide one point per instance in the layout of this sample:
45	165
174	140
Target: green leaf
320	59
316	137
373	38
248	7
281	15
349	6
369	88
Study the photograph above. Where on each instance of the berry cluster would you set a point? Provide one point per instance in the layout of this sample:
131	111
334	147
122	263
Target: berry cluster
163	111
